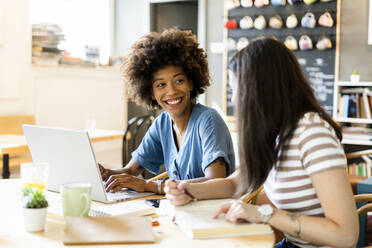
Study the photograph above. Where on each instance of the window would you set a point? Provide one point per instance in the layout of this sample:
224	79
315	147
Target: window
83	23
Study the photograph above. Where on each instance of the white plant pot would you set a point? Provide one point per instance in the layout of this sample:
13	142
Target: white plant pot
34	219
354	78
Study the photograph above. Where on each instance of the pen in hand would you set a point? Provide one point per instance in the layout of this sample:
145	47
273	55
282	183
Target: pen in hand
185	191
193	198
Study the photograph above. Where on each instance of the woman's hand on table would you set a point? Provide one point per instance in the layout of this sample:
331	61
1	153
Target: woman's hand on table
175	192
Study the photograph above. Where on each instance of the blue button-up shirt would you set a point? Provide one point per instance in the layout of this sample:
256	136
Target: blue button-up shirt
207	138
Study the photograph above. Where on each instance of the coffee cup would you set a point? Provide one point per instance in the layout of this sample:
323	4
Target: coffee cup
76	199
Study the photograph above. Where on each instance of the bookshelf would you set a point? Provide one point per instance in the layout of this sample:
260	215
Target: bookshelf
337	109
346	120
360	91
319	66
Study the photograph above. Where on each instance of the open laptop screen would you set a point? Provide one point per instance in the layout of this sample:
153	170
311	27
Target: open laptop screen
69	154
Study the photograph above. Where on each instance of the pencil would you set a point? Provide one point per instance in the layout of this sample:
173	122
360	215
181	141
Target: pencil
193	198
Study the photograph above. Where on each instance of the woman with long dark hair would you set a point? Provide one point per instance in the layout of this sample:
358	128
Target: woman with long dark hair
291	145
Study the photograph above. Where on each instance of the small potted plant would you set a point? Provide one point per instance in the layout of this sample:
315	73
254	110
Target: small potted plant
355	77
34	209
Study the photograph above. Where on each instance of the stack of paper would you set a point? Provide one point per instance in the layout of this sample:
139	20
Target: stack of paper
357	133
196	220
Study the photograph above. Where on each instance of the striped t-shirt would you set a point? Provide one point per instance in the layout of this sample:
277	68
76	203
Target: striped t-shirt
314	147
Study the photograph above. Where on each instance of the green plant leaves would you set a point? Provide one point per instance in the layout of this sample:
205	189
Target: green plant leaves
33	198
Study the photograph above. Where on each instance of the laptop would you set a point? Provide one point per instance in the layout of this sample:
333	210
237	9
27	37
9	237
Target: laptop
71	159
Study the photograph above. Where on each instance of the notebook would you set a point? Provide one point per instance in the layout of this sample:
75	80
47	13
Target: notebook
108	230
196	220
71	159
132	208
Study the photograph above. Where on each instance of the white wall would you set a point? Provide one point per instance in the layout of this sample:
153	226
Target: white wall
131	22
355	53
16	88
69	97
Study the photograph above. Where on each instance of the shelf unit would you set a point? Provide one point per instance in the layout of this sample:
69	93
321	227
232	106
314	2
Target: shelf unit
321	67
356	142
336	97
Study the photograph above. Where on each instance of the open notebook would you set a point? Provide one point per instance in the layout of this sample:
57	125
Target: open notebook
132	208
195	219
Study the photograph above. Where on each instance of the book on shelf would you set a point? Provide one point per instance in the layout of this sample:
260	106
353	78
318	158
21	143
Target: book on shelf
362	108
367	106
370	103
345	106
196	220
340	106
353	107
359	169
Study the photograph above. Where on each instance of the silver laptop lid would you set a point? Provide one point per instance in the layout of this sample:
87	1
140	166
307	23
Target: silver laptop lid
69	154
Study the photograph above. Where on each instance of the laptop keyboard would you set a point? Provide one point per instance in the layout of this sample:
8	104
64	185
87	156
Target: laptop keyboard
97	213
122	195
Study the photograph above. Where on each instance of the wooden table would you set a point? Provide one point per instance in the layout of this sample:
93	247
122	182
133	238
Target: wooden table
15	145
167	234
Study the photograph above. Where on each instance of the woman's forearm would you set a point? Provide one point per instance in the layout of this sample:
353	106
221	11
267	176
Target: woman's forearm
319	230
132	168
212	189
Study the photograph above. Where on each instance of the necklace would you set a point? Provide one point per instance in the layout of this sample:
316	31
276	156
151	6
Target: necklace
178	132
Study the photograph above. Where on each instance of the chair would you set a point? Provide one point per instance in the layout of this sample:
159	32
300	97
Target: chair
364	198
136	129
364	203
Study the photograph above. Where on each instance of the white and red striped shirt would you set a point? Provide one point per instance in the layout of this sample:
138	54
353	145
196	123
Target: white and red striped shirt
314	147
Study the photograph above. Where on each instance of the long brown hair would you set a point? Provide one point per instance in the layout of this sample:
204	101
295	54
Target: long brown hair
273	94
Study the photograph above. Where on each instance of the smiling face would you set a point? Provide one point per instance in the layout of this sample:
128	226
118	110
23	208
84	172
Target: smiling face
171	89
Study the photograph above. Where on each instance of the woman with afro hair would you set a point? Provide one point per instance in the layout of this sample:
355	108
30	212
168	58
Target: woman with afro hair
168	70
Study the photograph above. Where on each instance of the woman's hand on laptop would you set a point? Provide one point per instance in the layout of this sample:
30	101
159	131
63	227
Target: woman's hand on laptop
120	181
105	173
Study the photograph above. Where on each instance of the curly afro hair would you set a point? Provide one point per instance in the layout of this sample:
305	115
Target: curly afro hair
155	51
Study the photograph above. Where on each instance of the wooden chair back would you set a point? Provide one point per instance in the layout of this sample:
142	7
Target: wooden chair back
367	198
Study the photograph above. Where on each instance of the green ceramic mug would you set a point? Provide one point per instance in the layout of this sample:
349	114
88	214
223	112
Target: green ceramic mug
76	198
